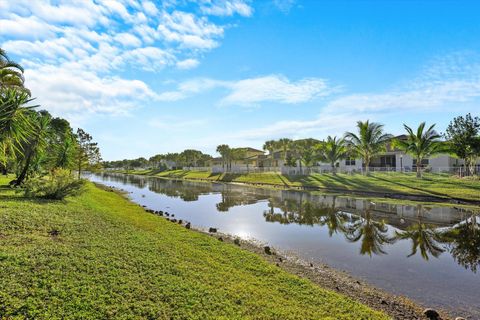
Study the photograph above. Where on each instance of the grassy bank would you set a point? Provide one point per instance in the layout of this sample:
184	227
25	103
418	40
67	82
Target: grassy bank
99	256
432	185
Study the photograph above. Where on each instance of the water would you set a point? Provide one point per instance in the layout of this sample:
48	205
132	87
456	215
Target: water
428	253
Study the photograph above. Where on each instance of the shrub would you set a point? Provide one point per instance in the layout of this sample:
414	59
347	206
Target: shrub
58	185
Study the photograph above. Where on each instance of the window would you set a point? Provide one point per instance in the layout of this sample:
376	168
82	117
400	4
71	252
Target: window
350	162
424	162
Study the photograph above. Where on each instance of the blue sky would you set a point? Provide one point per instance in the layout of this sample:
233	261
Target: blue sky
147	77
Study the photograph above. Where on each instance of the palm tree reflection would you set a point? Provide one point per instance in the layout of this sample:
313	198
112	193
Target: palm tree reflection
374	235
464	242
424	237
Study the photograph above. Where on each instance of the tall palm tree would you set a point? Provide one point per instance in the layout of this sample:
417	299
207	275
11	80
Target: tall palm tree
284	144
369	142
333	150
224	151
11	74
15	122
270	146
422	144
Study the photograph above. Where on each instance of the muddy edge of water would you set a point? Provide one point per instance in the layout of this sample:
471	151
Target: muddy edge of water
398	307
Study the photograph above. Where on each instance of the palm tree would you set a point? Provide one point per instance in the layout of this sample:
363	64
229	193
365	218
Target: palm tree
36	144
369	142
65	153
15	124
284	144
270	146
307	151
11	74
422	144
224	151
333	150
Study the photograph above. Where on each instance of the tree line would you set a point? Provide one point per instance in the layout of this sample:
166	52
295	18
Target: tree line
186	158
33	143
461	139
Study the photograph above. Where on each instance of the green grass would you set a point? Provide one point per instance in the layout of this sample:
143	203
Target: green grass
437	185
111	259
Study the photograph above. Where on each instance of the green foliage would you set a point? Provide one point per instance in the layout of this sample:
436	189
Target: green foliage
11	74
463	134
58	185
333	150
421	144
369	141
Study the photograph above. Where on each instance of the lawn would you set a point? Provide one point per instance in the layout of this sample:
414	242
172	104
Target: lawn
98	256
437	185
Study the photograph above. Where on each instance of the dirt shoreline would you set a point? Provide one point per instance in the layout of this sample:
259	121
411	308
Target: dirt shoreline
395	196
398	307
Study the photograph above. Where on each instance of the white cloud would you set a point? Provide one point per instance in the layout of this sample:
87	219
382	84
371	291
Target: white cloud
150	8
149	58
26	27
442	85
252	91
275	88
72	92
87	42
128	40
227	8
187	64
189	30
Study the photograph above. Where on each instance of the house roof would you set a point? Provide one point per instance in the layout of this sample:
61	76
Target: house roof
253	150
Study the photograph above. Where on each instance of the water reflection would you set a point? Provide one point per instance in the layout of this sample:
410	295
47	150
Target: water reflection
372	234
464	242
431	230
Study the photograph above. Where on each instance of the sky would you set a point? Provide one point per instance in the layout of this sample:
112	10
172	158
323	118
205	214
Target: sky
150	77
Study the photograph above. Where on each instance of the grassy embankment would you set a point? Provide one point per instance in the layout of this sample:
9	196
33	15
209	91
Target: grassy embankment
111	259
432	185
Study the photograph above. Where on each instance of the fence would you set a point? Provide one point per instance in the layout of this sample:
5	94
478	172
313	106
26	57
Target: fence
457	171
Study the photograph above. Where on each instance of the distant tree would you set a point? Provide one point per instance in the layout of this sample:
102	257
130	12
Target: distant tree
237	154
307	151
421	144
369	141
224	151
270	146
285	145
87	151
463	137
333	150
191	157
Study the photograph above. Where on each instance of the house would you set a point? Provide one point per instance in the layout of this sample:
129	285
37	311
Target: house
251	159
394	159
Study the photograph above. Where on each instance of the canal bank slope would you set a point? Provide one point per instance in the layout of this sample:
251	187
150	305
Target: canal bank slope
405	186
100	256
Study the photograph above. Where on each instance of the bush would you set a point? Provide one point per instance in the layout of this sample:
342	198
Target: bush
58	185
